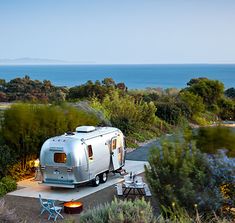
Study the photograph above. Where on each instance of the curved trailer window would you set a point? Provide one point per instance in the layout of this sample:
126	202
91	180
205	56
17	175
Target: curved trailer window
60	157
90	152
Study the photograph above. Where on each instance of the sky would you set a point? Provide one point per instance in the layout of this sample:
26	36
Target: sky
119	31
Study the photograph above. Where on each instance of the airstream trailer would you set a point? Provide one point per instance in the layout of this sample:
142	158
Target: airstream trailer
88	154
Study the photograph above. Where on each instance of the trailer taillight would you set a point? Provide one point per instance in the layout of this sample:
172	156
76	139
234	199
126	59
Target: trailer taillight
69	169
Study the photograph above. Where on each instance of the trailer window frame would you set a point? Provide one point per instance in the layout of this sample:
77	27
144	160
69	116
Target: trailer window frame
90	152
114	144
60	157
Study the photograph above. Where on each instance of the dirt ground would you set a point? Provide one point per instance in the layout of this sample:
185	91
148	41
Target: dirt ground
28	209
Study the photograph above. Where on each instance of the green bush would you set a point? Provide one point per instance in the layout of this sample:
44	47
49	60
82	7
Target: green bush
200	120
178	172
25	127
176	214
7	158
3	190
9	183
138	211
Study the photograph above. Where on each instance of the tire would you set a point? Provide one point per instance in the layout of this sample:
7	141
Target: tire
103	177
96	181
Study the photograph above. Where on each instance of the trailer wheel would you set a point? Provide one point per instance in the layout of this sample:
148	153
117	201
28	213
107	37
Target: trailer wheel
104	177
96	181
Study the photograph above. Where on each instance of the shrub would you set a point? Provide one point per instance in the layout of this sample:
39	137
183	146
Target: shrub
138	211
9	183
7	158
126	113
17	172
180	173
3	190
169	112
176	214
25	127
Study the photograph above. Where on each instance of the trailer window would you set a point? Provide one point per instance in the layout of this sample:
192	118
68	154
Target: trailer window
114	144
60	158
90	152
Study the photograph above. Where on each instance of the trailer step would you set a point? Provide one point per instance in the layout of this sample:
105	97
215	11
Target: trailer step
121	171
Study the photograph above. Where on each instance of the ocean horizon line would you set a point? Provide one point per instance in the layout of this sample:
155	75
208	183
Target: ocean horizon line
109	64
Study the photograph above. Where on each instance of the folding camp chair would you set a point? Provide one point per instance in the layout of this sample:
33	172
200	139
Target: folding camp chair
55	212
45	204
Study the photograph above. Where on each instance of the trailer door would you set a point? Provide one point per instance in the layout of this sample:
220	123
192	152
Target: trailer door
115	154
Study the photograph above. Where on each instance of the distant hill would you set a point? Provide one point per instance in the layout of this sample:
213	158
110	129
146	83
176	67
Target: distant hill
31	61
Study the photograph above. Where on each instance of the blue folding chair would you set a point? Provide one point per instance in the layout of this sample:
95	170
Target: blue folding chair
55	212
45	205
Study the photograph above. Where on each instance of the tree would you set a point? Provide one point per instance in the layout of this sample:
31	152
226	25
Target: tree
169	112
90	89
25	89
230	93
193	101
209	90
121	86
109	82
227	109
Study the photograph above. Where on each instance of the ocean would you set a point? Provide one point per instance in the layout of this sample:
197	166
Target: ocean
134	76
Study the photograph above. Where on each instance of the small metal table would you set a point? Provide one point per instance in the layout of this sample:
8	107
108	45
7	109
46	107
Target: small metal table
133	186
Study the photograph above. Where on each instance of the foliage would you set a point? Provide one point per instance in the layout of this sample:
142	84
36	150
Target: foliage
25	89
230	93
7	215
137	211
227	109
97	89
19	171
9	183
210	140
136	119
179	173
194	103
7	158
169	112
125	113
176	214
3	190
209	90
200	120
26	126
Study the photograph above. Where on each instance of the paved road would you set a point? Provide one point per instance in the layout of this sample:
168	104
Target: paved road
141	153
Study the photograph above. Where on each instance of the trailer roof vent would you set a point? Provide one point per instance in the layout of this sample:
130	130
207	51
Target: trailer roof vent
85	129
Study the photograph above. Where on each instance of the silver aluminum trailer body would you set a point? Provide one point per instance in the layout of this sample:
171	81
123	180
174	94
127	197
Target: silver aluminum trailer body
85	155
